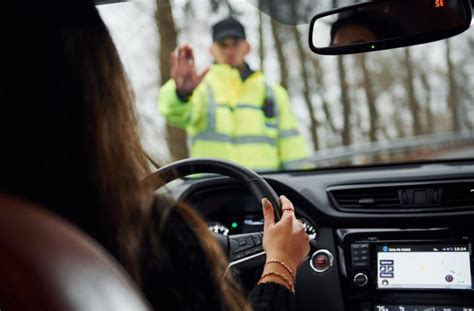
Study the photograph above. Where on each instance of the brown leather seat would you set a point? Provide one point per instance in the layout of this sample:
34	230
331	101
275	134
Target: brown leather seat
48	264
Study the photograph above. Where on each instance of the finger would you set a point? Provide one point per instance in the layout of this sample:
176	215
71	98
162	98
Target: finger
173	63
286	206
181	56
173	58
201	76
268	216
285	202
190	54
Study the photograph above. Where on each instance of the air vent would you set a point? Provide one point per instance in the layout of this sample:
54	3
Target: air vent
460	195
366	199
436	196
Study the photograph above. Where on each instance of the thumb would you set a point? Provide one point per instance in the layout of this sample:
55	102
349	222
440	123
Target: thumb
202	75
173	63
268	214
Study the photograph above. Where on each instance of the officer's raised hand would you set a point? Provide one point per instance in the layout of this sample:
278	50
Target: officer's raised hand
183	71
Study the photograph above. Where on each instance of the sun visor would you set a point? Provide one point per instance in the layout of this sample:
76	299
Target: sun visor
296	12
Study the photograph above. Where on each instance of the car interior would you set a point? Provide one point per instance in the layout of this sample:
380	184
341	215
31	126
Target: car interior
385	236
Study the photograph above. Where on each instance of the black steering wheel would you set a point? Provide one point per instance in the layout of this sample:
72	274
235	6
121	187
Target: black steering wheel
245	251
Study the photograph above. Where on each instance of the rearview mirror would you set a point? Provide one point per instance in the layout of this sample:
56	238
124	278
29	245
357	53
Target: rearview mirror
387	24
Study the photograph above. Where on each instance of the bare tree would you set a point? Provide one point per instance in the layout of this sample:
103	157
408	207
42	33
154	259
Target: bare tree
346	102
345	99
175	137
276	33
410	88
261	36
427	100
320	90
302	57
465	90
370	97
215	5
453	98
397	117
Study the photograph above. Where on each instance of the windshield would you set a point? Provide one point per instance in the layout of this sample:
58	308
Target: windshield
259	97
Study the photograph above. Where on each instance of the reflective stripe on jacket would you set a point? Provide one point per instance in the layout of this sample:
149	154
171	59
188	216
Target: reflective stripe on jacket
225	119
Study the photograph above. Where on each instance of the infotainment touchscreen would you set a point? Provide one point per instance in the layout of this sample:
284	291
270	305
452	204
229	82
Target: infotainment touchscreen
424	267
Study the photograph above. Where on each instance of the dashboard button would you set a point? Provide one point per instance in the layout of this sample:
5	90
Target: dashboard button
360	264
361	279
321	260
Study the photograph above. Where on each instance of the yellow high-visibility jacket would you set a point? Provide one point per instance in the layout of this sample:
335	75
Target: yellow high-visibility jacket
225	119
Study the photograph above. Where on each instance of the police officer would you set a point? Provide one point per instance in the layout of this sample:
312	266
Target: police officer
230	111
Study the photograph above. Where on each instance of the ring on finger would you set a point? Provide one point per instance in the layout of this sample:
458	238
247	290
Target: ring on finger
288	209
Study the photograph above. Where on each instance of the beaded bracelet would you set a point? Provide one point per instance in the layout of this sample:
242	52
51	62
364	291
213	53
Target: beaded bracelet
281	276
284	265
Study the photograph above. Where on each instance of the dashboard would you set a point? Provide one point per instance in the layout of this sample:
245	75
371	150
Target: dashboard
391	237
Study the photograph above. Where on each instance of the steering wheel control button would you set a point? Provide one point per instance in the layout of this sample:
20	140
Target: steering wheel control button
257	238
246	245
243	244
361	279
321	260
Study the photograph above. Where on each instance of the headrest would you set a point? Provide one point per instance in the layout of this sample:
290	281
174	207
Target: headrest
48	264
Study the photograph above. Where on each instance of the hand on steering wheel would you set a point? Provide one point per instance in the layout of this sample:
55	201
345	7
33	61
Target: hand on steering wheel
285	240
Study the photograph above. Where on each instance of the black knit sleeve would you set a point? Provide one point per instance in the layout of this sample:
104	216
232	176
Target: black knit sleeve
271	297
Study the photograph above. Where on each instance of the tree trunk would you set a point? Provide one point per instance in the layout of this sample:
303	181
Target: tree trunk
306	89
175	137
410	88
397	118
429	117
453	98
261	38
319	79
346	102
276	31
370	96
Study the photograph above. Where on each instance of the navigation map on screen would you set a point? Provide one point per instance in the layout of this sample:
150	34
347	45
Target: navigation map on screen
423	267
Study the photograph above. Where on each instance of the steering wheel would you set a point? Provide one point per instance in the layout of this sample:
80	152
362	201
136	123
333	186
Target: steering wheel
245	251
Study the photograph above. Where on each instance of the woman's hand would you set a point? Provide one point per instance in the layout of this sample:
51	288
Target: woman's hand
286	240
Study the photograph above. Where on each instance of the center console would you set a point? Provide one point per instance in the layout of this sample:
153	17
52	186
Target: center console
406	270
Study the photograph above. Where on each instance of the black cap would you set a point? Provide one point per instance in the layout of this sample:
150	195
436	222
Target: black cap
228	28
